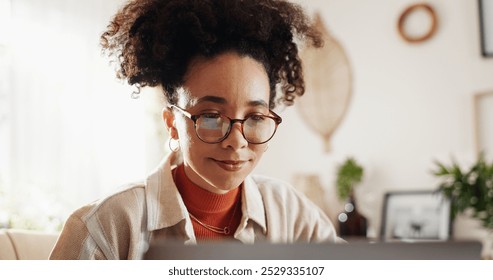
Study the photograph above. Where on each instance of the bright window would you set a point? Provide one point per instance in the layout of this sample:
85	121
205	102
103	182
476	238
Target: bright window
69	131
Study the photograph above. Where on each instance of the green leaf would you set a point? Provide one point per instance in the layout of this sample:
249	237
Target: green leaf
349	174
468	189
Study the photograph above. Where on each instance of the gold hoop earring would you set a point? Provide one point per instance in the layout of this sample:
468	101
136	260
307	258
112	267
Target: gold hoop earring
174	145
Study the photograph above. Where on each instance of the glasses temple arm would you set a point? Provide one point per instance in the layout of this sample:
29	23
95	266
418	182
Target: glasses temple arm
187	114
279	119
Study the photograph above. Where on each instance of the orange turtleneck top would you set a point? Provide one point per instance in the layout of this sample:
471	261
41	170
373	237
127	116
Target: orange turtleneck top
218	210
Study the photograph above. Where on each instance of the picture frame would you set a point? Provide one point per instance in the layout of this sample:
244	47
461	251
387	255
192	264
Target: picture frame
486	27
483	123
416	215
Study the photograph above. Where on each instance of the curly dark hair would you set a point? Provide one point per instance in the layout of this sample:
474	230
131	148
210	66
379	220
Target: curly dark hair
153	41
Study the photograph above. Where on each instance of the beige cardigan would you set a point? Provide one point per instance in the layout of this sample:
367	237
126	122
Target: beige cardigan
122	225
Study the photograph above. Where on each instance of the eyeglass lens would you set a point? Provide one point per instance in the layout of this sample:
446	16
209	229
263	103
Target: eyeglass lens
213	128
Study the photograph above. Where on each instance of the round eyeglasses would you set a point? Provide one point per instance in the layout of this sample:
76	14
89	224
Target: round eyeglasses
213	128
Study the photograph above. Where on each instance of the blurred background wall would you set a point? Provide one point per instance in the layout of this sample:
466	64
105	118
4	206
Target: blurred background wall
411	104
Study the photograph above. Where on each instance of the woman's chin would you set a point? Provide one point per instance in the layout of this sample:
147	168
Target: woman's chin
224	186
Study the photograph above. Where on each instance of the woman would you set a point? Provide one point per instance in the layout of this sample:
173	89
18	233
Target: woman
220	64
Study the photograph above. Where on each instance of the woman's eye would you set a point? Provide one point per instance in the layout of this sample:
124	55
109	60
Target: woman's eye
210	115
257	117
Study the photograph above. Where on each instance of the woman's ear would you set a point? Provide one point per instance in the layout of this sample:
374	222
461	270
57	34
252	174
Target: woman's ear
169	121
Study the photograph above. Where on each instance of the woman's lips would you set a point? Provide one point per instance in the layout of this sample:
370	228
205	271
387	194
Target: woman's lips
230	165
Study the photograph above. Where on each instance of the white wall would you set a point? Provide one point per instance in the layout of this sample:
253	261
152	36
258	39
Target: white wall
411	104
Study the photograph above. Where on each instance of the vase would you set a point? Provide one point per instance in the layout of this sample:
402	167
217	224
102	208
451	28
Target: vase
311	186
487	251
351	222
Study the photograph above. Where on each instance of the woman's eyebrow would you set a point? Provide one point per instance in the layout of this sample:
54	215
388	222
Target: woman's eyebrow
221	100
260	102
211	98
193	101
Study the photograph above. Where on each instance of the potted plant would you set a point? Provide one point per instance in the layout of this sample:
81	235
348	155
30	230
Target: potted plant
349	174
470	190
351	222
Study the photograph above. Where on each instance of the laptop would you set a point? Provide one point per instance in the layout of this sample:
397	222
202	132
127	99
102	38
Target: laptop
439	250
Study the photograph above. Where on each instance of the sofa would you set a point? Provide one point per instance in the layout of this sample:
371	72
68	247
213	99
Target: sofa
17	244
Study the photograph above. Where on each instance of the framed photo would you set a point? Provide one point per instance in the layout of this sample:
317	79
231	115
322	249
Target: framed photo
486	26
483	117
416	215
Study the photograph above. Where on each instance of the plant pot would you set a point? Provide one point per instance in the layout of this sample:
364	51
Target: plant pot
487	251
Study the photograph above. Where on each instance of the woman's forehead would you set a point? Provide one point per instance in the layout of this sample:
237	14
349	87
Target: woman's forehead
187	100
225	79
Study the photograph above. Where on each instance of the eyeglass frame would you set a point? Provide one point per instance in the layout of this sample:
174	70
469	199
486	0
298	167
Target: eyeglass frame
277	119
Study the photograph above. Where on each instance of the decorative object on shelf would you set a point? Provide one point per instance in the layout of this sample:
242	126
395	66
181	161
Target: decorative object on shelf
409	11
310	185
483	123
349	174
415	215
470	190
351	222
486	26
328	85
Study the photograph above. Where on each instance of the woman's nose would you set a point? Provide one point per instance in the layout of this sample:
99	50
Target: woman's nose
235	139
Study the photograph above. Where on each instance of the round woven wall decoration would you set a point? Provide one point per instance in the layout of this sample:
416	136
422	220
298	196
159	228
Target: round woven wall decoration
407	13
328	84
